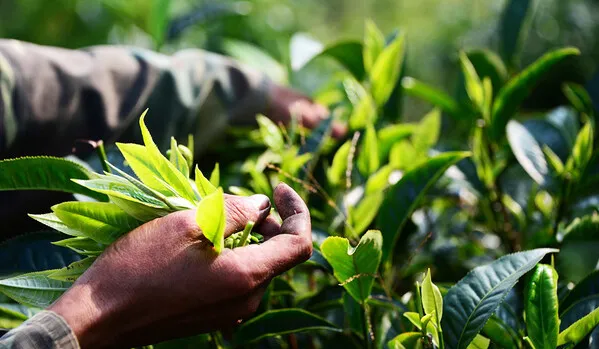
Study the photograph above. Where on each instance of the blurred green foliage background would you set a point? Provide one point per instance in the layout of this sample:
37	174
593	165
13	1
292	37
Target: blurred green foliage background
436	29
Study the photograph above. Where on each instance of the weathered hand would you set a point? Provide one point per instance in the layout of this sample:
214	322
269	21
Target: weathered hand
284	102
163	280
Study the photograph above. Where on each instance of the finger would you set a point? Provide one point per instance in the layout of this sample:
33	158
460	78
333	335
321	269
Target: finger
290	247
269	227
242	209
339	130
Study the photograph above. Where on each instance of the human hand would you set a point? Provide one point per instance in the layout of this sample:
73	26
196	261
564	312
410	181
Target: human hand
163	279
284	102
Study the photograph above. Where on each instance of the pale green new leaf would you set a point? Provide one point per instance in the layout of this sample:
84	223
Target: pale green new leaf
355	268
541	306
414	319
167	171
410	340
177	158
271	134
386	69
474	86
52	221
583	149
426	134
471	302
211	218
374	43
137	158
205	187
73	271
364	213
215	176
34	289
479	342
100	221
432	300
115	186
336	173
368	159
580	329
364	113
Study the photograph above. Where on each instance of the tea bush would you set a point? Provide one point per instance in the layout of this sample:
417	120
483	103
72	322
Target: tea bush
476	185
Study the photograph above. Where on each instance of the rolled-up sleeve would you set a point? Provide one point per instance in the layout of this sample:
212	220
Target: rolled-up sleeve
50	97
45	330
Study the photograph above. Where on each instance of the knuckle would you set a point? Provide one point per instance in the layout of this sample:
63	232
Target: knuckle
303	246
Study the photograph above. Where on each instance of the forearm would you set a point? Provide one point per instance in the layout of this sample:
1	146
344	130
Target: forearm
46	330
49	97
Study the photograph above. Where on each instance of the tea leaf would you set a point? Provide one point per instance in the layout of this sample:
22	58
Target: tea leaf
388	136
215	176
363	214
34	289
471	302
386	69
82	245
520	86
355	268
211	218
177	158
137	158
583	149
542	322
168	172
280	322
271	134
479	342
336	173
364	113
205	187
528	152
368	159
430	94
432	301
514	25
426	134
406	340
52	221
103	222
118	187
403	197
45	173
580	329
474	86
73	271
374	43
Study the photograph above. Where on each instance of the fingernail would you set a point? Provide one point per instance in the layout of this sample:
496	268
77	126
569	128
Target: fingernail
261	201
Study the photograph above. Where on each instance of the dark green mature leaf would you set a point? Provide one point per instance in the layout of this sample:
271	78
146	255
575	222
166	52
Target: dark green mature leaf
501	334
513	26
542	322
578	256
34	289
45	173
583	299
471	302
404	196
528	152
279	322
33	252
520	86
355	268
430	94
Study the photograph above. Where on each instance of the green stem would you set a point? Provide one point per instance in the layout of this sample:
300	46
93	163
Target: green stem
102	155
366	326
441	341
246	234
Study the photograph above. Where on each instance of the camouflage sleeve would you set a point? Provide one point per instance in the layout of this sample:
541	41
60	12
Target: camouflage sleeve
50	97
46	330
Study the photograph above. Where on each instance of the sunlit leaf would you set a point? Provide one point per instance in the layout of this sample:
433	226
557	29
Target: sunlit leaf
34	289
368	158
426	134
211	218
432	301
430	94
541	306
474	86
355	268
72	272
386	69
580	329
528	152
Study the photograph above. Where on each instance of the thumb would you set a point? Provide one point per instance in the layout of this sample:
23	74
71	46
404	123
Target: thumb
242	209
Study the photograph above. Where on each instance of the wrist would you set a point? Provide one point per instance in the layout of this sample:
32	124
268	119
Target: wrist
86	315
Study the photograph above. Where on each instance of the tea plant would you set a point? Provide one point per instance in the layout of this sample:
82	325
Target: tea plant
511	198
